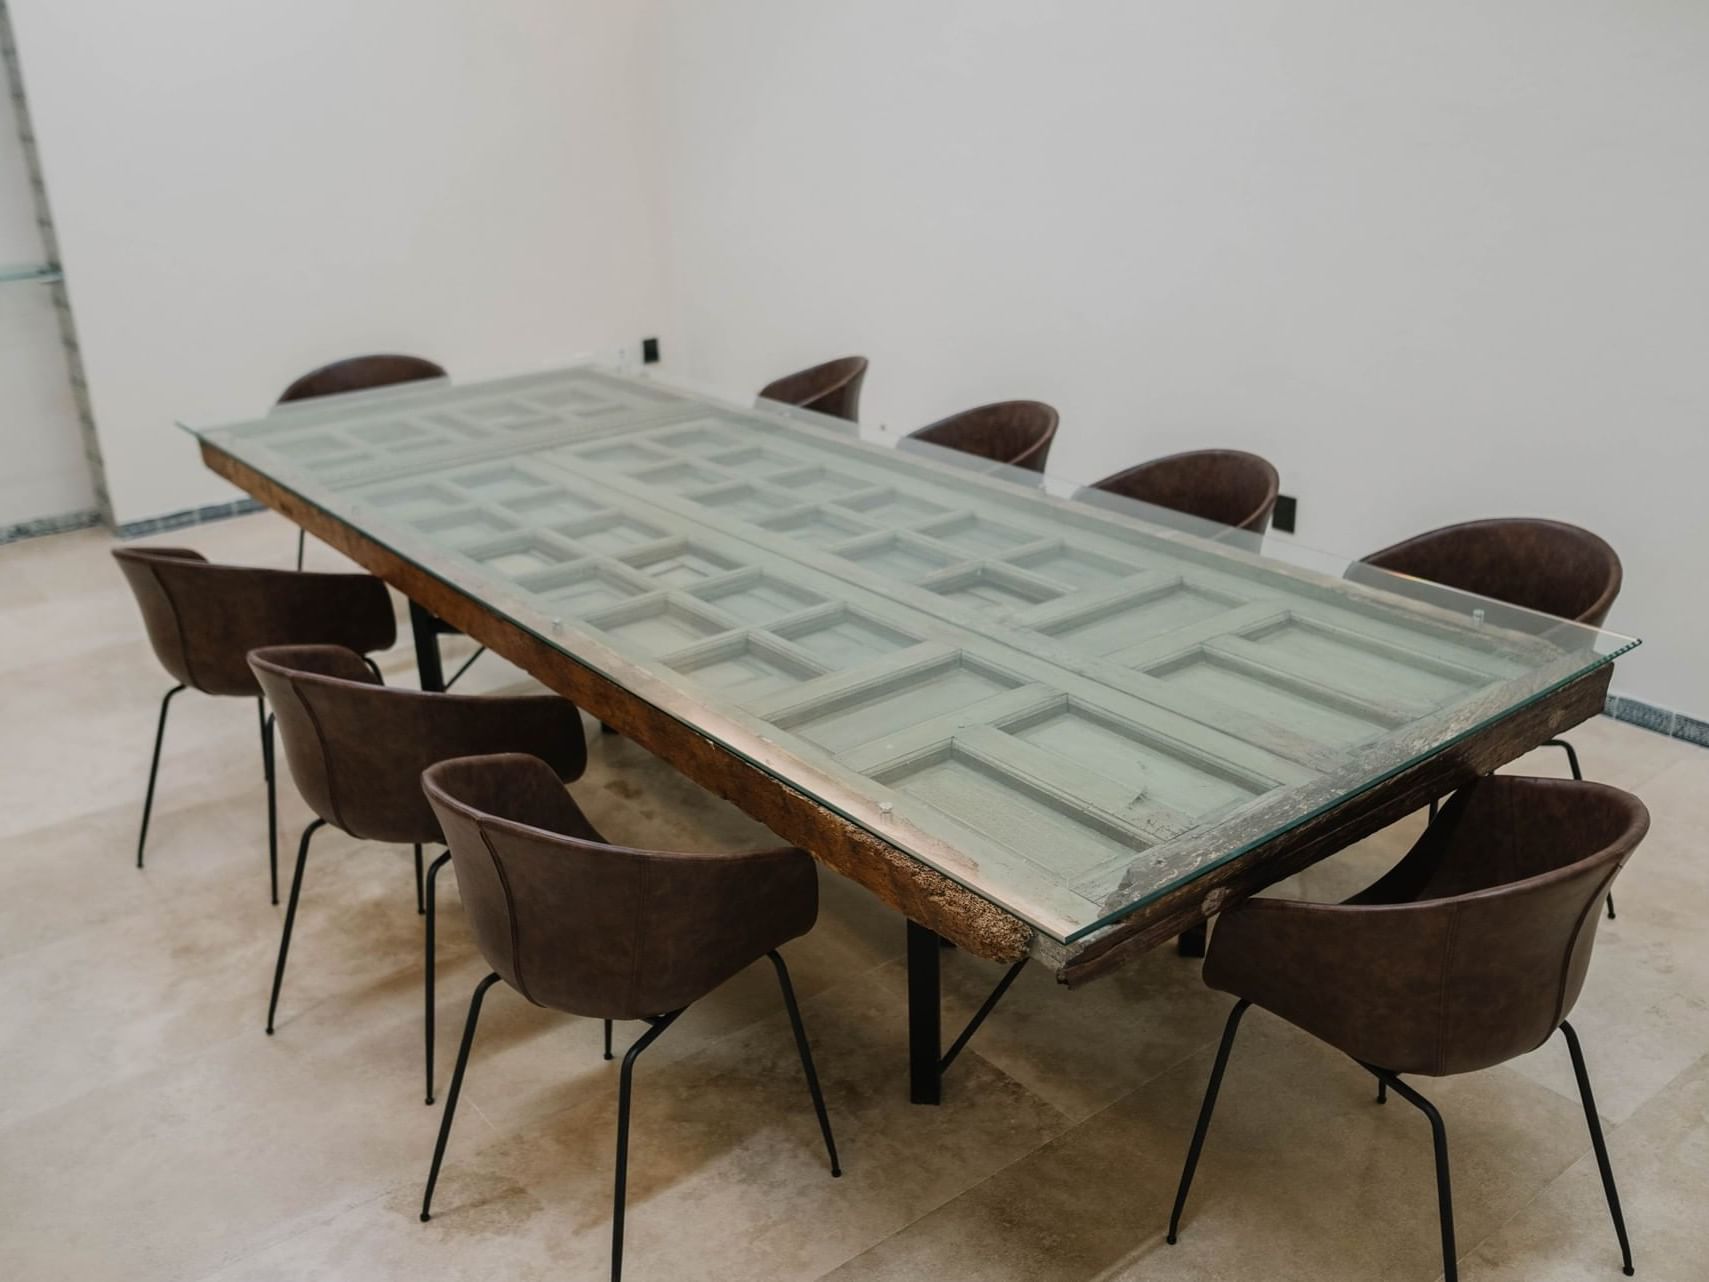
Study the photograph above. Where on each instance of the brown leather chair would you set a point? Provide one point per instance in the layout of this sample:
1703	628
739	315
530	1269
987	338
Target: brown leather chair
1469	952
832	388
580	926
356	374
357	749
1017	433
1548	566
204	619
1229	487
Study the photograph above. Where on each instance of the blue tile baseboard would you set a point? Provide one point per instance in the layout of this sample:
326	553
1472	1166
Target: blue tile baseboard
1676	725
50	525
1692	730
189	516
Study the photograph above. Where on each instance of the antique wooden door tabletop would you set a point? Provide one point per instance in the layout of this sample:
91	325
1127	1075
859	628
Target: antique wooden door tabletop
1039	725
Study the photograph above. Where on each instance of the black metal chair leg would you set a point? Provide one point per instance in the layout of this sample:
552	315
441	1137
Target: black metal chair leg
806	1059
302	537
290	920
268	766
261	725
456	1090
153	772
1382	1091
1573	767
1439	1140
1596	1142
624	1083
608	1039
427	983
420	903
1572	755
1205	1110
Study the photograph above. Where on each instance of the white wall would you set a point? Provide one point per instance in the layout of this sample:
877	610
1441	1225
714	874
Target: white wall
1435	260
42	469
243	191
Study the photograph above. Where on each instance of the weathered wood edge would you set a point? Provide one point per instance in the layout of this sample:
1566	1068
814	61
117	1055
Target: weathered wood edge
1336	829
901	881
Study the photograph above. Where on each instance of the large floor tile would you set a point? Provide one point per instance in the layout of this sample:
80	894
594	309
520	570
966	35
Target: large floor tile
168	1174
1661	1163
728	1176
1303	1176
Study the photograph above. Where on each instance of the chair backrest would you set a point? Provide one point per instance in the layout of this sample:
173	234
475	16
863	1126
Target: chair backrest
1230	487
578	925
1018	433
832	388
1549	566
357	748
1504	892
359	374
204	619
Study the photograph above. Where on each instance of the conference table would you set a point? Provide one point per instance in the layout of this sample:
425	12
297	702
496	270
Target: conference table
1044	724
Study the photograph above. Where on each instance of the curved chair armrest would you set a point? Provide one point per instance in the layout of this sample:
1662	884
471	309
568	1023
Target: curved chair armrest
544	726
1366	979
708	916
521	787
352	610
1502	829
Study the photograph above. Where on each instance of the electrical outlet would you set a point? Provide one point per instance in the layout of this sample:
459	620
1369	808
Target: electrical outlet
1286	513
649	351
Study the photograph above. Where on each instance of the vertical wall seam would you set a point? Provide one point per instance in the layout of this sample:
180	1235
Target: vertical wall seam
50	243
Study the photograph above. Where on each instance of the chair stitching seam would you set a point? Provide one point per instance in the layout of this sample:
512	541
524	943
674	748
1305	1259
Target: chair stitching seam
510	911
325	758
641	891
178	622
1594	906
1442	1011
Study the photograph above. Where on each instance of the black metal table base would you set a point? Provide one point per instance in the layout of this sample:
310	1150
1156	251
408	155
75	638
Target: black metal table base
927	1061
425	628
925	1043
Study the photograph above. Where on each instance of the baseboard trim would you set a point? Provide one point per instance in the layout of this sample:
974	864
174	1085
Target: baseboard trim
61	524
189	516
1675	725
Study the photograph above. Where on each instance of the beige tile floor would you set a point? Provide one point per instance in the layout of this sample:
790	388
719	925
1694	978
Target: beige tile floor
149	1130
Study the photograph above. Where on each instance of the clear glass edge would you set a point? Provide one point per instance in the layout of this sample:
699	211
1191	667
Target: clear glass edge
1127	910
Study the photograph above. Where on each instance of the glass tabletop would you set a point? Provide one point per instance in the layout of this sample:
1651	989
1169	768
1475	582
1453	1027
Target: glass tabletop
1069	702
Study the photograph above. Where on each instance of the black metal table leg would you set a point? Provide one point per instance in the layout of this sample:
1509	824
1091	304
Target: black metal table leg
925	1038
1191	942
427	662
